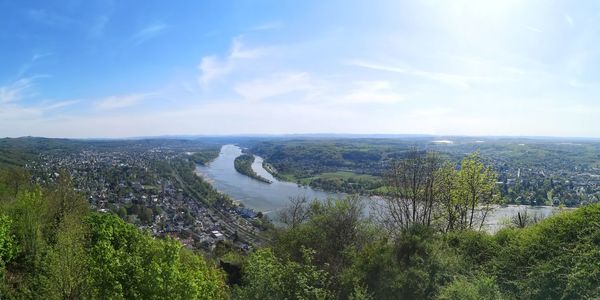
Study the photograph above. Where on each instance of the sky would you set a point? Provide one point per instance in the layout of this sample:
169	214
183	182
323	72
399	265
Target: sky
94	69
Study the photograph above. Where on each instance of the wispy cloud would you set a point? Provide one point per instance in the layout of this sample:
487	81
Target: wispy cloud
60	104
121	101
212	67
458	80
148	32
372	92
28	65
533	29
274	85
16	90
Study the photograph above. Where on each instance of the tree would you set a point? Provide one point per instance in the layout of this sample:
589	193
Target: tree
17	179
448	212
475	192
66	263
268	277
473	289
412	193
8	248
28	215
296	213
63	202
128	263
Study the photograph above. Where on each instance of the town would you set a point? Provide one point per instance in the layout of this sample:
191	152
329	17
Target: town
148	188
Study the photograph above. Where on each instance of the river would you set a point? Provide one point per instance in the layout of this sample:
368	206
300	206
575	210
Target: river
252	193
269	198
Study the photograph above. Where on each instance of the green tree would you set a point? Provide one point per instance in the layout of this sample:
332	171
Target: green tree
28	213
127	263
66	263
268	277
475	192
480	288
63	202
8	248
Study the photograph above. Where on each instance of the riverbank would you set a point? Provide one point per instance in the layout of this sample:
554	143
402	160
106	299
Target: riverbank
243	164
334	182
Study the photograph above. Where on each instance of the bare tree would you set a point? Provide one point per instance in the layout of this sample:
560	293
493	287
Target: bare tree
296	213
523	218
423	190
412	192
447	215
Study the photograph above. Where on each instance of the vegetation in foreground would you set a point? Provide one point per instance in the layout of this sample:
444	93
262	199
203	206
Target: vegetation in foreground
425	243
334	253
53	247
243	164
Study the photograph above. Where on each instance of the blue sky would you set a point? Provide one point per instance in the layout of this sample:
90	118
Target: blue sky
141	68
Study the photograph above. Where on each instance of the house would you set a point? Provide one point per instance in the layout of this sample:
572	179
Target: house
217	235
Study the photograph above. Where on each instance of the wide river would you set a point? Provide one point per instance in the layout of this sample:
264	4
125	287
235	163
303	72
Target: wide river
269	198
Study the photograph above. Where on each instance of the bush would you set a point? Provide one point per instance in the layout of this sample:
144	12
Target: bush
482	288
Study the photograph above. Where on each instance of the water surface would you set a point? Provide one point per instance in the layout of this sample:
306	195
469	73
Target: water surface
252	193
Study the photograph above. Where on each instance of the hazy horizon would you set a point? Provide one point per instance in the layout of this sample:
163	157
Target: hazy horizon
108	69
316	136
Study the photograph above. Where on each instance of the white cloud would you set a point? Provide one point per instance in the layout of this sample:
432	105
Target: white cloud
372	92
274	85
212	67
60	104
534	29
148	33
457	80
16	90
28	65
121	101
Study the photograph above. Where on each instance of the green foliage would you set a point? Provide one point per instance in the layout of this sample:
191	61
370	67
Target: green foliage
347	182
65	269
333	228
475	192
268	277
556	258
28	214
414	266
8	248
128	263
476	247
479	288
205	156
52	247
